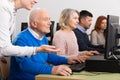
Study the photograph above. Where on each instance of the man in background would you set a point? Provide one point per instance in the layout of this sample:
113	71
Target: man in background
85	20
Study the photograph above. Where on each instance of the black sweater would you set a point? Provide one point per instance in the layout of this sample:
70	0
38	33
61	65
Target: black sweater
84	43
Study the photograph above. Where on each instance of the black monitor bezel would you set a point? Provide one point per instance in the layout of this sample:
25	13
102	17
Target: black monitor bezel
112	22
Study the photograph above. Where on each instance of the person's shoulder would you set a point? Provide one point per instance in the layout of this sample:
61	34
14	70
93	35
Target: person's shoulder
76	29
23	33
94	32
23	36
59	32
4	3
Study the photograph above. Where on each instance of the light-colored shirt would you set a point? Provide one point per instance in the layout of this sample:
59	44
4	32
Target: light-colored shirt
97	38
81	28
67	42
36	35
7	27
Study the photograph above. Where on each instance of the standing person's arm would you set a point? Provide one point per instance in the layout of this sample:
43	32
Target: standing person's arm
7	22
6	47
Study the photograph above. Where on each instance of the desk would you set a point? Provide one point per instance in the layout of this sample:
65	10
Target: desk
57	77
82	76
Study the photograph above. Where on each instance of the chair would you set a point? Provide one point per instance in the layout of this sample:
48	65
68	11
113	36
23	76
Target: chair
57	26
24	25
50	34
4	68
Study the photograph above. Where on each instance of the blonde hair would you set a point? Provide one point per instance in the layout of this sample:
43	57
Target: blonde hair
65	17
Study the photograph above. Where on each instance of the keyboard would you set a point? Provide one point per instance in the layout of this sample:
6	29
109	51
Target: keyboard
96	57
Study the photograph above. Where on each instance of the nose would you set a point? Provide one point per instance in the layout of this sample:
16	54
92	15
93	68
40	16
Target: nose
36	1
77	21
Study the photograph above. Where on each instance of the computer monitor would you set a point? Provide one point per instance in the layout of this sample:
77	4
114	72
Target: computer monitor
50	34
111	35
24	25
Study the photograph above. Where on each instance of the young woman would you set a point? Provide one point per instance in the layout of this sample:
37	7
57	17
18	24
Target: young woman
98	34
8	9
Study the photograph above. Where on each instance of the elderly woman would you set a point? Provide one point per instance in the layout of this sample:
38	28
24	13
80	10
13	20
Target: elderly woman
65	37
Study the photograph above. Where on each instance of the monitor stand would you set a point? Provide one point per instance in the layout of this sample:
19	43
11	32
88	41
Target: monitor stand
99	64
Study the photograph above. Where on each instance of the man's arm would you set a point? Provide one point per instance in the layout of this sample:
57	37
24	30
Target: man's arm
26	64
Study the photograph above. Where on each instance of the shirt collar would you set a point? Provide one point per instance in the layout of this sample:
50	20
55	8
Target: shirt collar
13	5
35	34
81	28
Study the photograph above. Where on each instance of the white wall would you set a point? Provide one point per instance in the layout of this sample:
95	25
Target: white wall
54	7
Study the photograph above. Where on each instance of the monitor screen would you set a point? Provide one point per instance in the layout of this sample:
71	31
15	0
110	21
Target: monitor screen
111	34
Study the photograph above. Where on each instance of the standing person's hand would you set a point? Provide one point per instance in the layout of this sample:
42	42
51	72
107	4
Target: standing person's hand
62	70
47	48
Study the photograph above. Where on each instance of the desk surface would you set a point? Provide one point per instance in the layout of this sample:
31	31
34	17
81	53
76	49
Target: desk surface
82	76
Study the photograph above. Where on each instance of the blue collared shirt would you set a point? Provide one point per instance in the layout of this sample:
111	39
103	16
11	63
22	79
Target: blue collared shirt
81	28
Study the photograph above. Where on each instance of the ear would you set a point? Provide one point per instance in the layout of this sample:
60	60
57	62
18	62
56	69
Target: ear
82	20
34	24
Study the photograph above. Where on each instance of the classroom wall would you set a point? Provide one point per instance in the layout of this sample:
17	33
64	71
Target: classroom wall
54	7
